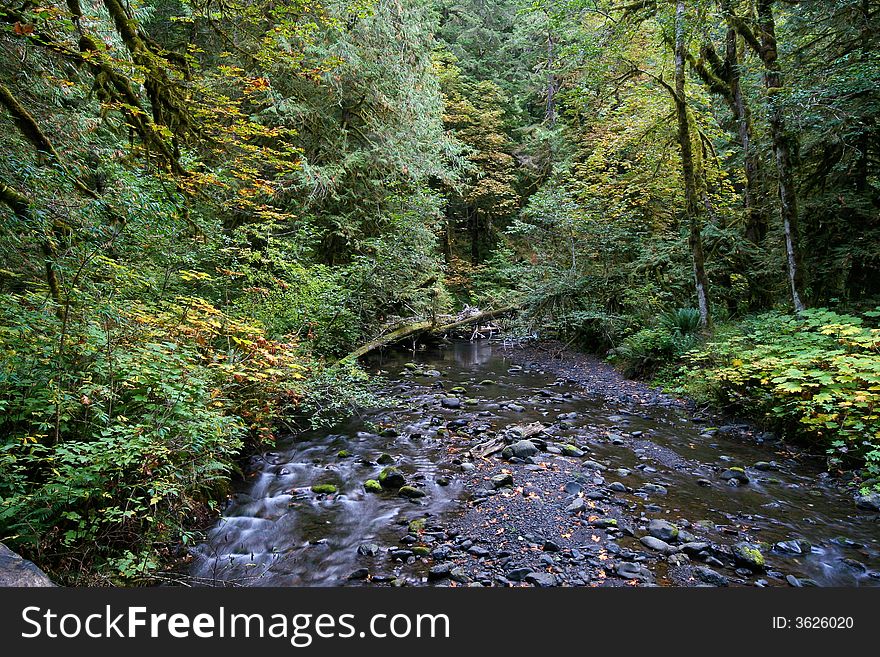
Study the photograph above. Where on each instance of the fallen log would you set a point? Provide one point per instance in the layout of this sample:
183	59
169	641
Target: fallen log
488	448
426	326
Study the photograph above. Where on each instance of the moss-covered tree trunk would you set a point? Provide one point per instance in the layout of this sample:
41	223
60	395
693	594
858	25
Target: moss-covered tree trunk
685	142
782	149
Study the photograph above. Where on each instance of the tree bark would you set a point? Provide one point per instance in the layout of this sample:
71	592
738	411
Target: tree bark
781	147
756	219
692	206
765	46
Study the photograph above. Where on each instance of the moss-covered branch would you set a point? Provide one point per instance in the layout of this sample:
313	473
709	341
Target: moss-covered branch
425	326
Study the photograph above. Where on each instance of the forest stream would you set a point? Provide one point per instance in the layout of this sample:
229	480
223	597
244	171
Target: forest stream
623	485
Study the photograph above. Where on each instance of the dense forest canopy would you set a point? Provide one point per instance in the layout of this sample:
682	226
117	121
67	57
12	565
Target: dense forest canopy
206	203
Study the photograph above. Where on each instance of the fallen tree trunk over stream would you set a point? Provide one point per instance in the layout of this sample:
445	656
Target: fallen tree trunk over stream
426	326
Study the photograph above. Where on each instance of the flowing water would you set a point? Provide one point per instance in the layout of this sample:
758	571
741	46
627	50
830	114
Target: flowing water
276	532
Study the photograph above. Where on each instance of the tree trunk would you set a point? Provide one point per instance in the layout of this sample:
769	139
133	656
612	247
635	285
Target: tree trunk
781	147
685	142
424	326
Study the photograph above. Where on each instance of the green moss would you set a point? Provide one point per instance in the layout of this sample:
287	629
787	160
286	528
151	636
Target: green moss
755	556
411	492
324	489
372	486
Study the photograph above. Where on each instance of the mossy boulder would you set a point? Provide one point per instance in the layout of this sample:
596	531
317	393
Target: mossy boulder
663	530
572	450
749	555
324	489
385	459
735	474
416	526
391	478
411	492
344	454
372	486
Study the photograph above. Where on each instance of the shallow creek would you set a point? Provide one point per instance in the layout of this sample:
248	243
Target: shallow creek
275	531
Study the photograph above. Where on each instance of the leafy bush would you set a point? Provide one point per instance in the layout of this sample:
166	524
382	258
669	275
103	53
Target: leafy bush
109	444
816	374
645	351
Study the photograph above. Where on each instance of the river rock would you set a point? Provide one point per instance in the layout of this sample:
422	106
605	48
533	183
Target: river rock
450	402
603	523
441	552
360	573
636	571
411	492
792	547
385	459
577	505
655	489
368	549
749	555
677	559
440	571
391	478
656	544
573	488
433	373
663	530
479	551
868	501
571	450
694	547
372	486
617	487
523	449
710	576
518	574
541	579
459	575
735	474
502	480
18	571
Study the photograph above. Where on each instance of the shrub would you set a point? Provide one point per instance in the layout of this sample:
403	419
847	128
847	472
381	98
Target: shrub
107	445
816	374
645	351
